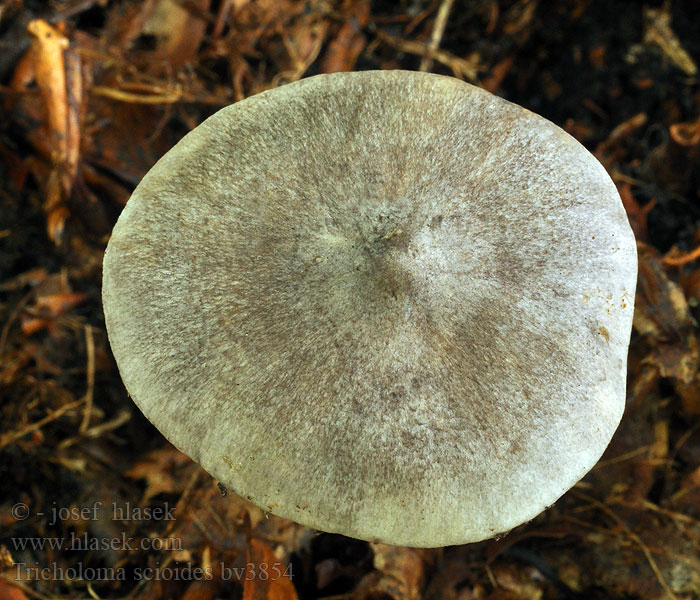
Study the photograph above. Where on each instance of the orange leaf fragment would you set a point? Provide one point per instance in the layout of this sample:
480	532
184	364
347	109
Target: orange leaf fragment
267	578
11	592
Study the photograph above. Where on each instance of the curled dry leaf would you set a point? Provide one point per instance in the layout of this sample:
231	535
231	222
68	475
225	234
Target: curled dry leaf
672	163
57	73
686	134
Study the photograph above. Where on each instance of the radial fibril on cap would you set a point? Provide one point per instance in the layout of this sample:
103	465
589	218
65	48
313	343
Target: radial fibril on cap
385	304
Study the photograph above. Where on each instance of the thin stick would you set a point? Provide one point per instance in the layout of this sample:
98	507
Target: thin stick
11	319
89	392
8	438
462	68
679	261
426	62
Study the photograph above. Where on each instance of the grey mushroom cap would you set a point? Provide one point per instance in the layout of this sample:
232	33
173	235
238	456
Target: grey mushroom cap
384	304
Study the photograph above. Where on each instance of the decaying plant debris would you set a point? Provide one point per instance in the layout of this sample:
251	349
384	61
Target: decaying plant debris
92	92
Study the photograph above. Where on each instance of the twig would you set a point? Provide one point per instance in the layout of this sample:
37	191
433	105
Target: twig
671	514
683	259
221	16
8	438
131	98
94	432
415	21
622	457
13	315
426	62
184	499
461	68
169	97
90	351
92	592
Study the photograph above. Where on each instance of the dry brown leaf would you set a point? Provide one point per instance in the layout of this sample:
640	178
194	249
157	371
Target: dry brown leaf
400	573
178	28
690	397
519	16
162	470
32	278
663	317
6	560
614	147
202	589
32	325
11	592
258	586
498	73
222	525
48	307
624	554
637	214
302	43
517	581
344	50
672	163
60	304
642	382
691	482
556	531
49	69
57	71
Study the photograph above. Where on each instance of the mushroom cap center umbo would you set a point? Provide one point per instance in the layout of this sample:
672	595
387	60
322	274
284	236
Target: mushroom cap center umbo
377	263
385	304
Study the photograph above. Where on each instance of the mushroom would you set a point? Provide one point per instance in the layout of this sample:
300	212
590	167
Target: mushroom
384	304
